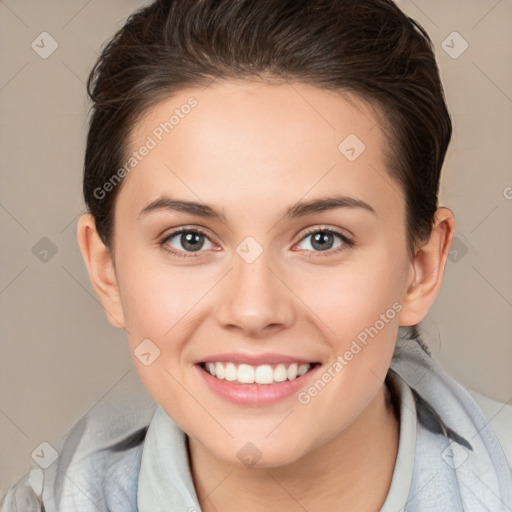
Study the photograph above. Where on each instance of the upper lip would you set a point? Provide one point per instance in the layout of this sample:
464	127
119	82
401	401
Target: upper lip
253	359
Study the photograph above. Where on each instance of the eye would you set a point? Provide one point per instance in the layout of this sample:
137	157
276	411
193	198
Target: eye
323	240
185	240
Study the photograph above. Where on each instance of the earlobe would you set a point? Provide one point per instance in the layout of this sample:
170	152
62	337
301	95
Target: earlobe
427	270
100	268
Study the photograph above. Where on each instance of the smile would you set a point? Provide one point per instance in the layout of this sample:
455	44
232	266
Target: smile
255	380
261	374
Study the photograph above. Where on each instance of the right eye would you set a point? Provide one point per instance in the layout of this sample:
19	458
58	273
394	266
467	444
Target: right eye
190	239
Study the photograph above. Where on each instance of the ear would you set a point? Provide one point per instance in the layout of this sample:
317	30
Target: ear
101	269
427	269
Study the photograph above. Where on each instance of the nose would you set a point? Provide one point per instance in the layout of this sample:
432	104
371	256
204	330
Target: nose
255	299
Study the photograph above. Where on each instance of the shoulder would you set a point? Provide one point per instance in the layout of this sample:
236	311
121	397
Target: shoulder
97	463
99	480
499	415
25	495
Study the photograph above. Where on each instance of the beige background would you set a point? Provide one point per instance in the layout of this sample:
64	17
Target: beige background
59	357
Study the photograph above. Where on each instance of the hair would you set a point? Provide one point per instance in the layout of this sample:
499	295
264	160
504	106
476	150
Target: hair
367	48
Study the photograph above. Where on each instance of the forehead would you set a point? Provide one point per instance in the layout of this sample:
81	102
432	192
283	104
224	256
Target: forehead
248	142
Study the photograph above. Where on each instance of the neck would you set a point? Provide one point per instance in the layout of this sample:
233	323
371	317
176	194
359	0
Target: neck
353	471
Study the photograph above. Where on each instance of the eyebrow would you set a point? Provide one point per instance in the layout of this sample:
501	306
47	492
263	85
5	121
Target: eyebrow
300	209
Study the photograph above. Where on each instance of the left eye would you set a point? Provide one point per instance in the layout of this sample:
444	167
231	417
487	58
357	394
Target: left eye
323	240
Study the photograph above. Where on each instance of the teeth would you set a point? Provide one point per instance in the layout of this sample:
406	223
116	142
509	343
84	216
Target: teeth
231	372
245	374
219	371
292	371
303	368
263	374
280	373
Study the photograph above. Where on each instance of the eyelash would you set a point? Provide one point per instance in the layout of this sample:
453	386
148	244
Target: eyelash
347	243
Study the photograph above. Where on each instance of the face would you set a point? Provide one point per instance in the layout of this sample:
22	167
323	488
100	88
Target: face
262	277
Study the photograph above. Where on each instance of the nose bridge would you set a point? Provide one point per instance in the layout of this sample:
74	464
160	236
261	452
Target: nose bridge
254	297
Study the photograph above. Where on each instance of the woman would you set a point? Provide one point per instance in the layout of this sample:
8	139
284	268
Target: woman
262	189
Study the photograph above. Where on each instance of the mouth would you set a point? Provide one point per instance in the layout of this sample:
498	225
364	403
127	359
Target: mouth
263	374
256	380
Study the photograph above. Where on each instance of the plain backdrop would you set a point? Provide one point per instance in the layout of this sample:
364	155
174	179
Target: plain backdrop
59	357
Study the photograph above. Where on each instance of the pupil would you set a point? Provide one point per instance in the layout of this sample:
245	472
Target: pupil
191	241
321	241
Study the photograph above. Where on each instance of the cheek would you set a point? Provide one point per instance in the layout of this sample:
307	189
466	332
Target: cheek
353	296
154	295
358	307
158	302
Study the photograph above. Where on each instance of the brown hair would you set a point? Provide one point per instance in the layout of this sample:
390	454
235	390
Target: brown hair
366	47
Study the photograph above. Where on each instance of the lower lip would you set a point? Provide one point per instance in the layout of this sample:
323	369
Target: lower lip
255	394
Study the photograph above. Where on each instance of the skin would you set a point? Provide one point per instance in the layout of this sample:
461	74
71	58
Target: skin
250	150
